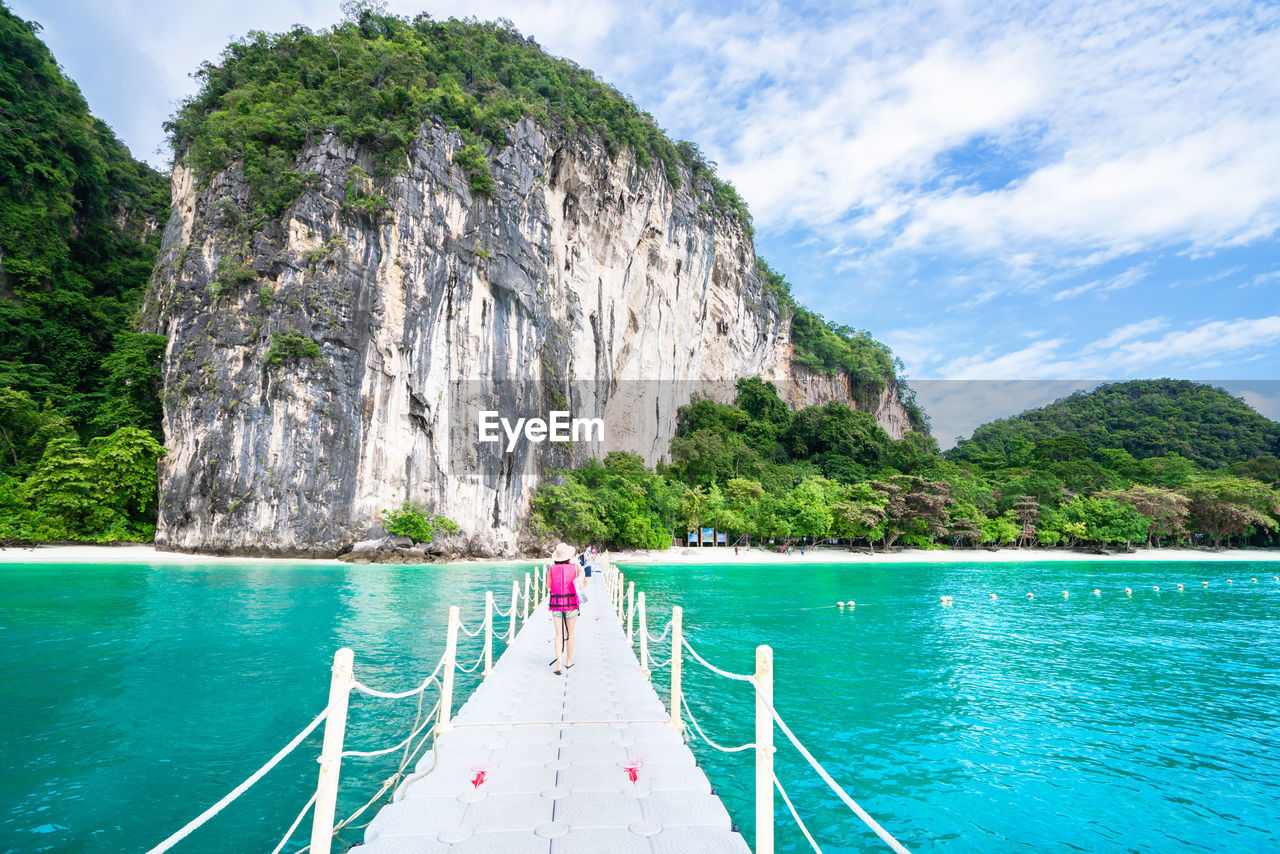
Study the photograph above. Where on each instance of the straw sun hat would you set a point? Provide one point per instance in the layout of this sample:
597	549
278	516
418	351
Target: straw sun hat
563	552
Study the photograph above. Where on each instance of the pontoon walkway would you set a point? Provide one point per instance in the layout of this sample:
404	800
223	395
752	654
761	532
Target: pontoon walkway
534	762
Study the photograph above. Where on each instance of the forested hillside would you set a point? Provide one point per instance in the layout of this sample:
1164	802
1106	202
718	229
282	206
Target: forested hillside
80	224
757	471
1146	418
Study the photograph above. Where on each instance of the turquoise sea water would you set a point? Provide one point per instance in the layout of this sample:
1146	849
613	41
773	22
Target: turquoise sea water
137	696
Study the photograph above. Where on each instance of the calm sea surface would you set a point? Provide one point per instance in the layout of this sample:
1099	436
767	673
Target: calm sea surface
136	696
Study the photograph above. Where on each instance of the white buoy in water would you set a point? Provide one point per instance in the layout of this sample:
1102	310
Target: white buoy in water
1156	588
851	603
994	597
1275	578
1229	581
1031	595
1128	591
1066	594
1254	580
946	601
1097	592
1179	587
1204	584
841	604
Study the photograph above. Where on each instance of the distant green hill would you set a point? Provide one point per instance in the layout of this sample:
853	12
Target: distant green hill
1147	418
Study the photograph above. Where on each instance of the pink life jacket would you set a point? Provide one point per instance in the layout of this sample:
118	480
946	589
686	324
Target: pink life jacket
563	595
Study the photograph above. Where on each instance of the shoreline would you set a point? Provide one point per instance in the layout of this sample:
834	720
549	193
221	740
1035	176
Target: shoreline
831	554
146	554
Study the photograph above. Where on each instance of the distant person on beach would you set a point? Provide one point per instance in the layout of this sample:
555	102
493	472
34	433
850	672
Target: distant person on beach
562	578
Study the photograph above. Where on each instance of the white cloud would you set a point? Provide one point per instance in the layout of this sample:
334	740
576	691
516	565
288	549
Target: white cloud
1130	350
1130	331
1262	279
1206	189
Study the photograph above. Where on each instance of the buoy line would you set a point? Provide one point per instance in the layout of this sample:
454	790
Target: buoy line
947	600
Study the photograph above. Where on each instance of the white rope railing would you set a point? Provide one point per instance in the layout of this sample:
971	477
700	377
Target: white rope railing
786	800
284	840
764	702
387	695
716	670
241	789
398	794
705	738
660	638
345	683
472	668
412	735
658	665
870	822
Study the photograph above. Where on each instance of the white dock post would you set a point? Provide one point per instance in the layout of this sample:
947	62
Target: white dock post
617	597
488	633
526	600
515	599
644	638
677	643
450	660
631	614
335	726
764	750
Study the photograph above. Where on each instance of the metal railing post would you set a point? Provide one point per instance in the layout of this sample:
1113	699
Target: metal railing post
644	639
525	609
335	726
677	643
450	660
631	614
515	600
488	633
764	750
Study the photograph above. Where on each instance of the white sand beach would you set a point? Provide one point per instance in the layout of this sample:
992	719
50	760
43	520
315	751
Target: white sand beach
130	553
832	554
145	554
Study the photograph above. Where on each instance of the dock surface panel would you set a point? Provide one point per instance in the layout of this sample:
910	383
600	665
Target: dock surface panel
558	754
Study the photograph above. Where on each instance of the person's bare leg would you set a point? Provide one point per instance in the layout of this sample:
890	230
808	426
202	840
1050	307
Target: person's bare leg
557	632
569	655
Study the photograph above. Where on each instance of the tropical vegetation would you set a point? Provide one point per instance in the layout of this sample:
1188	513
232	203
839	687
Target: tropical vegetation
764	474
80	224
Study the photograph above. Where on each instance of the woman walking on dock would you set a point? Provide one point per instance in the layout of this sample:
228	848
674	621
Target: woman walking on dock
562	579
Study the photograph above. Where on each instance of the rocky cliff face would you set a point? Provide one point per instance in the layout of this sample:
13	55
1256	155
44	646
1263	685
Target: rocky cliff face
804	387
325	367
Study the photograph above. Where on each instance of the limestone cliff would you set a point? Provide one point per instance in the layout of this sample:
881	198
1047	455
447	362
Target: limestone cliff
331	364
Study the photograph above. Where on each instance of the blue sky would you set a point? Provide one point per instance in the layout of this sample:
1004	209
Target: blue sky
1002	192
